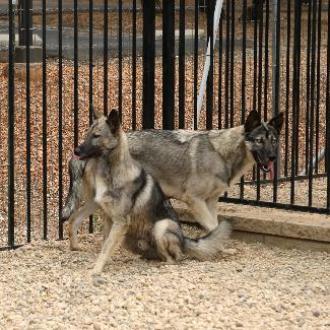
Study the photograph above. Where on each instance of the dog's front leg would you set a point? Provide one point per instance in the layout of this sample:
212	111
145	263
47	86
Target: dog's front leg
76	219
115	238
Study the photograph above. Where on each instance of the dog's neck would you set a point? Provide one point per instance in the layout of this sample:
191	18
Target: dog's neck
120	159
233	149
121	152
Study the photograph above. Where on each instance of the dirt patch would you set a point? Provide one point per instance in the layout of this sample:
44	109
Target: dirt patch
45	286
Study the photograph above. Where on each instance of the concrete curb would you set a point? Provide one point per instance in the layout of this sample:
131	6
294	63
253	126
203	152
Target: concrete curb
281	242
276	222
275	227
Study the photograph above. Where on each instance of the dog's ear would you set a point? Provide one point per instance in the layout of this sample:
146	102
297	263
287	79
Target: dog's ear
113	121
252	121
95	114
277	122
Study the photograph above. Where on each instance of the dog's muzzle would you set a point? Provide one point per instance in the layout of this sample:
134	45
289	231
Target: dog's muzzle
266	167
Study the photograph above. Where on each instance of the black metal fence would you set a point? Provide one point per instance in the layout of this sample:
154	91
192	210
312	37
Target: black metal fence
147	58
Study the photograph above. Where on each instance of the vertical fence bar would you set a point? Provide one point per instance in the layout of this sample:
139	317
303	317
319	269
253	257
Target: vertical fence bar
168	64
75	73
318	80
227	65
91	69
28	39
312	105
60	115
255	67
276	83
182	51
91	60
196	64
220	73
287	91
261	30
134	67
44	123
232	63
105	58
259	88
148	63
308	73
327	148
209	83
243	88
227	72
120	58
297	114
295	94
255	54
11	131
266	61
25	23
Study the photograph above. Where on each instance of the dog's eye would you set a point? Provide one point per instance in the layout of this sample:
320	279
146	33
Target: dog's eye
95	136
259	140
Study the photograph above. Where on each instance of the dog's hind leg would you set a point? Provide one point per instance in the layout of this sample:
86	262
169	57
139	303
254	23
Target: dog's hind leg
115	238
107	224
167	241
202	214
76	219
212	204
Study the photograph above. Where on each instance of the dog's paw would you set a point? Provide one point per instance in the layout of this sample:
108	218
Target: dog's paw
229	251
97	279
75	247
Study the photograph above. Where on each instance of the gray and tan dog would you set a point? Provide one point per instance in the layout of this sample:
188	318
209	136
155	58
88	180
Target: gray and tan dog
129	196
195	167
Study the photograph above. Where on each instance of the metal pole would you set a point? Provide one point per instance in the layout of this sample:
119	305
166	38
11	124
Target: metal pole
148	64
168	64
276	70
11	129
25	22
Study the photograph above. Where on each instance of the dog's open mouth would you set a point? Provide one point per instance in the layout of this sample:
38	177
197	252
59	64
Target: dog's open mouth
268	168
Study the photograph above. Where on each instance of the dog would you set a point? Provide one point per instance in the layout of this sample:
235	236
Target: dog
195	167
141	216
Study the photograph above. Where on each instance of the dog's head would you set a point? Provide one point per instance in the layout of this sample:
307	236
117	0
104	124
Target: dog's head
262	139
102	136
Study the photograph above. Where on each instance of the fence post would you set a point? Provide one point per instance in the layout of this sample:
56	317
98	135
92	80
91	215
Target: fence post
327	145
25	35
25	23
11	132
148	111
209	83
168	64
295	95
276	73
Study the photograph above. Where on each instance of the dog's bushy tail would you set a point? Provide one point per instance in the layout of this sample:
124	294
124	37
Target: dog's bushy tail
207	247
76	172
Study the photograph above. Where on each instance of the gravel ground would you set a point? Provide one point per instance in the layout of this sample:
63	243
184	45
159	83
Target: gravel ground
45	286
319	192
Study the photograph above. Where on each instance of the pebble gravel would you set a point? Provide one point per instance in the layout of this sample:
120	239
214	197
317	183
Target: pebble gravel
45	286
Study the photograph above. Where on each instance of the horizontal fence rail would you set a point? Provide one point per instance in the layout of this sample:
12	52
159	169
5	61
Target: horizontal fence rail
61	59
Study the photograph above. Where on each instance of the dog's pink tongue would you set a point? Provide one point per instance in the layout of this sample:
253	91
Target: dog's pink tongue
270	166
75	157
